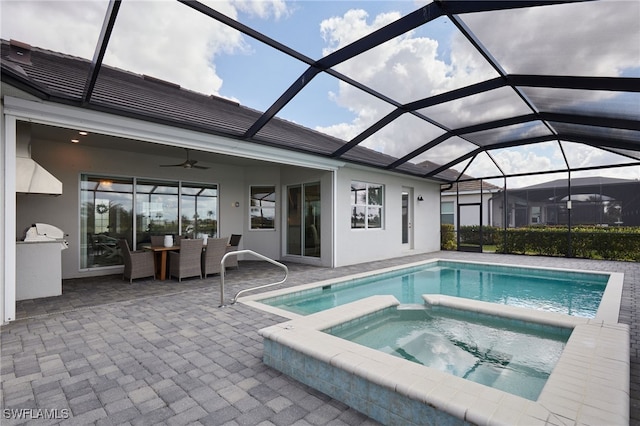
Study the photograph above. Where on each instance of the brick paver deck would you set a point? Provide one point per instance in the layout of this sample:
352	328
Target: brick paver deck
106	352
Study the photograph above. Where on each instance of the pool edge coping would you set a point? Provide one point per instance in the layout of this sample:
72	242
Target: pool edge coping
608	309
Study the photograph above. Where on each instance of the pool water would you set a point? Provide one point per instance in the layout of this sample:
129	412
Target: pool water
565	292
515	358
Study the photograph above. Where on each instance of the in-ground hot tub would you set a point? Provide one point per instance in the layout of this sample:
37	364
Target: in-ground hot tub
589	384
514	356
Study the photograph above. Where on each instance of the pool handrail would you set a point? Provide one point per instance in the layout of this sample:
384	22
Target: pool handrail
263	257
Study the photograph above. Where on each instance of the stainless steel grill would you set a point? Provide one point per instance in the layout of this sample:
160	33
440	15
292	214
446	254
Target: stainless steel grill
44	232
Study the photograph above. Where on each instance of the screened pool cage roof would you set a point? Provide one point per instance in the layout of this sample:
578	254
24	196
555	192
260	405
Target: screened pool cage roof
563	98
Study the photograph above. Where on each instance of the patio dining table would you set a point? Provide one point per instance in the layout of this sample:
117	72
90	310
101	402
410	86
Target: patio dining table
162	250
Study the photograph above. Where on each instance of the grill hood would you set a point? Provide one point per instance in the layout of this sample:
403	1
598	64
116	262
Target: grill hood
31	177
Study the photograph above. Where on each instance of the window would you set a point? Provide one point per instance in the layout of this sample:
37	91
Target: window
535	214
262	207
446	212
134	209
366	205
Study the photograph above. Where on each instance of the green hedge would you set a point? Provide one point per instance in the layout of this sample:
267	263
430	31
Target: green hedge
619	243
590	242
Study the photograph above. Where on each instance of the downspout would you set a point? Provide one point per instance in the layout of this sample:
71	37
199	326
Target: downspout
446	189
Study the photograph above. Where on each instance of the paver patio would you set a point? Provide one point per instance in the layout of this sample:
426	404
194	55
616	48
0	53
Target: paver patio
106	352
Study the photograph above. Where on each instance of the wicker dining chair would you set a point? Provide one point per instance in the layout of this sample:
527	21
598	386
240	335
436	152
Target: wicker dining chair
187	262
234	242
137	264
212	255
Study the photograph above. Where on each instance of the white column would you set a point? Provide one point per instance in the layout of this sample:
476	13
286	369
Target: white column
8	216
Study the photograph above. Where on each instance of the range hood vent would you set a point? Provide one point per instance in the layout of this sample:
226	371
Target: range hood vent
31	177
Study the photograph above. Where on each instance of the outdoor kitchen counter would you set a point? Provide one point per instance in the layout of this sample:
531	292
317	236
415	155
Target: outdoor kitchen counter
38	269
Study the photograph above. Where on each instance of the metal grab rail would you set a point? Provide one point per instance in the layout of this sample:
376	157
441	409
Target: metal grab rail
235	253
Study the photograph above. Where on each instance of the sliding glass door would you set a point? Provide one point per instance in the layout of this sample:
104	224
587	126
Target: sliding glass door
106	215
303	220
199	210
135	209
156	209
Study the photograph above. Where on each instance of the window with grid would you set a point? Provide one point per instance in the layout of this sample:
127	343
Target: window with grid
367	205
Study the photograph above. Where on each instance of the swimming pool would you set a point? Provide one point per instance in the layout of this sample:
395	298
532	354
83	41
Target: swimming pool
394	390
516	357
574	293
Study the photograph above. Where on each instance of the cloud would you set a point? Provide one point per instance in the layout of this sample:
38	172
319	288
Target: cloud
592	38
263	9
171	41
72	27
406	68
164	39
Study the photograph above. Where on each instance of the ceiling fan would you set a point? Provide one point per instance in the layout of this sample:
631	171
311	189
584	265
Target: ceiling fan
187	164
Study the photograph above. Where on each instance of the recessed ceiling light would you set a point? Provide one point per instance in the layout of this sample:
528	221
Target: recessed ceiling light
75	140
83	133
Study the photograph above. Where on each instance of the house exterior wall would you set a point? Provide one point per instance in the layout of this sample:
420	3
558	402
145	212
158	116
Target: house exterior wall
340	245
469	216
263	241
67	162
365	245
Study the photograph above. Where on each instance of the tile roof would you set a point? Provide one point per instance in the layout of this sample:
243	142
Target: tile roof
470	186
61	78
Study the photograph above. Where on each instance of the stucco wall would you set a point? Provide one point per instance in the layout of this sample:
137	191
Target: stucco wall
67	161
360	245
263	241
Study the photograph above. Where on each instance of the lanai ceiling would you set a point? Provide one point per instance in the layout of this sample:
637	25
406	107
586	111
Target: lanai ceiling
557	98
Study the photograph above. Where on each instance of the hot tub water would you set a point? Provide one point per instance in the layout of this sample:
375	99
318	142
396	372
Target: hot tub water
515	358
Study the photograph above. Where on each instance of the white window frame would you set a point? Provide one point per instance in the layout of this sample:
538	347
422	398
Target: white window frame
452	213
367	205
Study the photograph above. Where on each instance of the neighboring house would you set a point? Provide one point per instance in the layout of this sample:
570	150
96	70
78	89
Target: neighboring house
598	201
103	160
467	200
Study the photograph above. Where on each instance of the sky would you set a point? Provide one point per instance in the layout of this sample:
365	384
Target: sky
169	40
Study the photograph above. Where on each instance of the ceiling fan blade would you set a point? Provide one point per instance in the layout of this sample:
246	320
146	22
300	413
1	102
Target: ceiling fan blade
187	164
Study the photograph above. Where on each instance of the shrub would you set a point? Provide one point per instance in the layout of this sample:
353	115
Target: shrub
447	237
614	243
